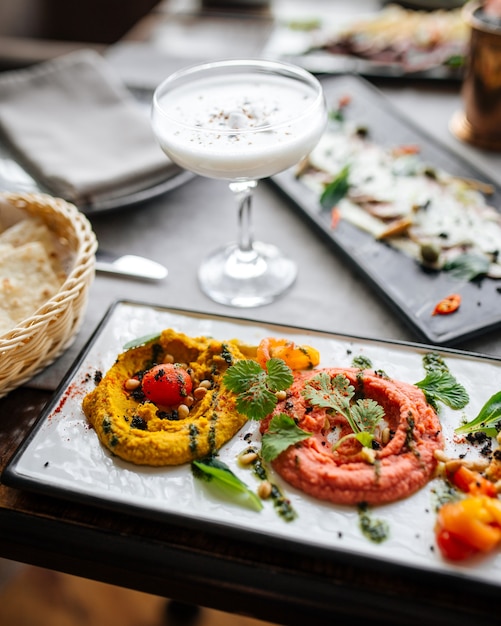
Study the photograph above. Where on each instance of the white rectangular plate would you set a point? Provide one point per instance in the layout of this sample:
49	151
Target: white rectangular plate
62	455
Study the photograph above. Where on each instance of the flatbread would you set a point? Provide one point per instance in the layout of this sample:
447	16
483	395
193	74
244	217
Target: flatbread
28	230
6	322
27	280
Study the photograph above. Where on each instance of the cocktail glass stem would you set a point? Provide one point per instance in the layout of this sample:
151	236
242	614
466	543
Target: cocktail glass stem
247	272
244	192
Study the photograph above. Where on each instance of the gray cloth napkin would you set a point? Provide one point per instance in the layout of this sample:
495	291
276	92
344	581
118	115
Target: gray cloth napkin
78	130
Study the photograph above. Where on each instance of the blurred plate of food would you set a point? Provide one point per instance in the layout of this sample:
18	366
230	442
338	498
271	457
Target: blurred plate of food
394	42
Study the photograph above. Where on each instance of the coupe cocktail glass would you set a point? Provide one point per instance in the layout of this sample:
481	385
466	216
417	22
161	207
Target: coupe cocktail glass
240	121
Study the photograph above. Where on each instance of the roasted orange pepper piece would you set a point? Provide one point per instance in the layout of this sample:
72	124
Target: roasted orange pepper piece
448	305
473	521
296	357
472	482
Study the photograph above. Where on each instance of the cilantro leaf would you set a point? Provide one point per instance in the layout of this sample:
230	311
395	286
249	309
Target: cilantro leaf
441	386
282	433
256	402
256	387
487	419
279	374
336	190
366	412
215	471
336	393
240	376
329	394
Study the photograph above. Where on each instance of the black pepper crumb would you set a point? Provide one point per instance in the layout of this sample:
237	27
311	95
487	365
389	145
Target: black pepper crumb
478	438
46	464
168	415
138	422
98	377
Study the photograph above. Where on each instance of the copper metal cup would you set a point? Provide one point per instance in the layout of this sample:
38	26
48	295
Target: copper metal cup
480	122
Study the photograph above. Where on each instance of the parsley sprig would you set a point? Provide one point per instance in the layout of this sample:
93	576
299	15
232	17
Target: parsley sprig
256	387
336	393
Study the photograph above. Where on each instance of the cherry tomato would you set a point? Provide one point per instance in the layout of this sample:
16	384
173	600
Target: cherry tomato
167	384
452	548
448	305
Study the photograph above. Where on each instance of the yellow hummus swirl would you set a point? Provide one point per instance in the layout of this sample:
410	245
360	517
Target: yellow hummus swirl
138	431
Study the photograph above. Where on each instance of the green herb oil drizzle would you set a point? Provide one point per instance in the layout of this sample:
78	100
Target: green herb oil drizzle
281	503
376	530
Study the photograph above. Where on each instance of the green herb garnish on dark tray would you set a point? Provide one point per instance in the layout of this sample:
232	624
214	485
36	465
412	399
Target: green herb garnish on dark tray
336	190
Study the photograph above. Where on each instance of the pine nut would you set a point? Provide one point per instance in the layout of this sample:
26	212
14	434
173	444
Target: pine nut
264	489
132	383
199	392
207	384
453	465
385	436
183	411
281	395
440	456
247	458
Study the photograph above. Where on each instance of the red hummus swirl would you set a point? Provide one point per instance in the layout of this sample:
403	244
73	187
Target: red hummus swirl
402	466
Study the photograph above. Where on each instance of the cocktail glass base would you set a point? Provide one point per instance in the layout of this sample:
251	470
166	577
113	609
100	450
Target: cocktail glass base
246	278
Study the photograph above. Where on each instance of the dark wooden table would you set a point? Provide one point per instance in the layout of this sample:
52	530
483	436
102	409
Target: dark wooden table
269	582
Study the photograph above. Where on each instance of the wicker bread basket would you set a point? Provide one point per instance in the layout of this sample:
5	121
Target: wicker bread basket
40	339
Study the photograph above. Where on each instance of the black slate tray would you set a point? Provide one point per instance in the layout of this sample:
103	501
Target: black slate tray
410	291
